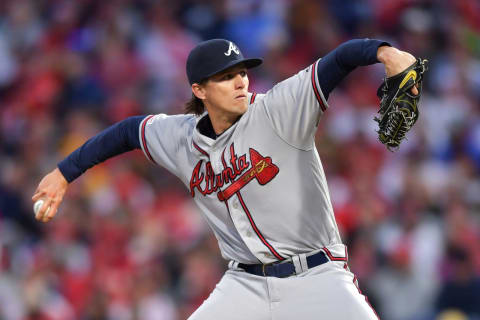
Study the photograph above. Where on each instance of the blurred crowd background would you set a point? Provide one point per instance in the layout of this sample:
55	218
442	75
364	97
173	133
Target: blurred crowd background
128	243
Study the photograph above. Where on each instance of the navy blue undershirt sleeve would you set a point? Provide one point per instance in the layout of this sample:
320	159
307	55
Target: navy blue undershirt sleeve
119	138
338	63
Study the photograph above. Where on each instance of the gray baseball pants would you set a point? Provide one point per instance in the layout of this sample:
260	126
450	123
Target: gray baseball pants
327	291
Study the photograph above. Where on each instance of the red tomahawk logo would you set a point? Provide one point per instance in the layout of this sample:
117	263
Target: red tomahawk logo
262	169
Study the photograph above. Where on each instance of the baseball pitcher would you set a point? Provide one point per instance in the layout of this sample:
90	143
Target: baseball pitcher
249	162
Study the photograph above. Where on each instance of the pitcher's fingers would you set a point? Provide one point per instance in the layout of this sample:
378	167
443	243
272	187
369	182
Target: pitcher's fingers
37	195
46	219
53	209
46	216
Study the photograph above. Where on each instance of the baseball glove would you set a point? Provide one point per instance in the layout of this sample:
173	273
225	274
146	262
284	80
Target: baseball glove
398	105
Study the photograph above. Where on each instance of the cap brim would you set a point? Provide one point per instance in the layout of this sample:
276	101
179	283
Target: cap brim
249	63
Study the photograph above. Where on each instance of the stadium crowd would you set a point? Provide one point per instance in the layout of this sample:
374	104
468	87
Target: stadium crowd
128	243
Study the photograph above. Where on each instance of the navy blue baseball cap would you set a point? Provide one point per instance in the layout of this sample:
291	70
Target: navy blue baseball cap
213	56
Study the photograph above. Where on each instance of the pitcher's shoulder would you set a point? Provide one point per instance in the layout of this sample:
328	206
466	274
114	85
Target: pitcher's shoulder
176	119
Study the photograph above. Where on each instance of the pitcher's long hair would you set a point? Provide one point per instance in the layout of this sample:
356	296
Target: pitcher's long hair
194	105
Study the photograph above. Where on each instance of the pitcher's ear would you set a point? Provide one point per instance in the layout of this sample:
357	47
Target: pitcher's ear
198	91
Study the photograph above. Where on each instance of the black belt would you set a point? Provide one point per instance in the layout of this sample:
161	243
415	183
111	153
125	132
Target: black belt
282	270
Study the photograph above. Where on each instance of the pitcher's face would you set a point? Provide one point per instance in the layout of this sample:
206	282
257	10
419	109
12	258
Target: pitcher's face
226	92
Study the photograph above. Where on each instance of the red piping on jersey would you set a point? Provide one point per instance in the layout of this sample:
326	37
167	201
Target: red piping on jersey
332	258
259	234
315	89
200	149
252	99
223	158
144	140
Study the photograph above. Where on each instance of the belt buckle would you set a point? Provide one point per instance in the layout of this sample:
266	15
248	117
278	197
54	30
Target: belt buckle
264	266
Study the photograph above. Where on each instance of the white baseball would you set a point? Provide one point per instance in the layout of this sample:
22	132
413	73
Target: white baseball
38	205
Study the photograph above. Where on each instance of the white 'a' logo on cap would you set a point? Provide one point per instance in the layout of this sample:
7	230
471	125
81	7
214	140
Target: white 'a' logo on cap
232	47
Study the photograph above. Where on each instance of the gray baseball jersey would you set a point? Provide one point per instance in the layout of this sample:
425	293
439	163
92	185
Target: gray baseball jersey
260	184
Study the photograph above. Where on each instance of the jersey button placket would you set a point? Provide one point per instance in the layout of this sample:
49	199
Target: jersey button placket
235	204
244	227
